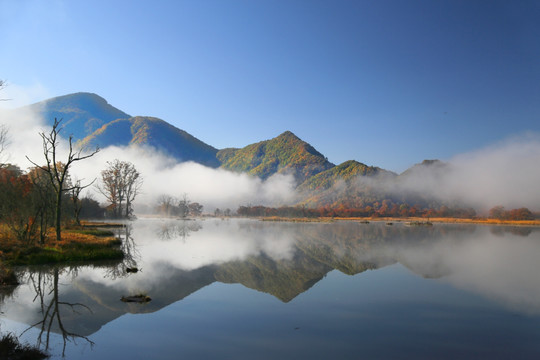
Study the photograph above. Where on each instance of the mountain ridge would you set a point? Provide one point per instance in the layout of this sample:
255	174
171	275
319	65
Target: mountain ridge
93	121
157	133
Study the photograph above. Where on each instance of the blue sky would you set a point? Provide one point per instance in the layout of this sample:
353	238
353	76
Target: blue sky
387	83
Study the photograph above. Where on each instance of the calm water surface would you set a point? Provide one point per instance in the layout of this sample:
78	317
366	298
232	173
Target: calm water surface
243	289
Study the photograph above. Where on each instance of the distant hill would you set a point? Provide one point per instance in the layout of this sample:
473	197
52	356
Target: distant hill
347	171
356	185
285	154
426	165
81	113
351	183
154	132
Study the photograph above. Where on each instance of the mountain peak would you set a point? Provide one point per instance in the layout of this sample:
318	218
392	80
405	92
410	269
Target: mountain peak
79	95
80	99
285	153
431	162
82	112
426	165
288	134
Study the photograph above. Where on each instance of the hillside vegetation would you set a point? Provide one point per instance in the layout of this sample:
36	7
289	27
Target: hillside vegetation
285	154
154	132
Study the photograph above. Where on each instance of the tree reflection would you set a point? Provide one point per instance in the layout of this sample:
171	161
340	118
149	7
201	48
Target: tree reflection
46	284
131	255
515	230
177	230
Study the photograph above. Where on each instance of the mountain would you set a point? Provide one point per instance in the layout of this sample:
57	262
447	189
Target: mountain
347	171
285	154
430	166
81	113
154	132
351	183
93	121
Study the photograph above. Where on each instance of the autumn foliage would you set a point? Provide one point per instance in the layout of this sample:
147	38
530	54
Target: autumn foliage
499	212
384	209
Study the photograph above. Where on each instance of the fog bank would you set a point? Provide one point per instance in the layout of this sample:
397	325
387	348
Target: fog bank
213	188
506	173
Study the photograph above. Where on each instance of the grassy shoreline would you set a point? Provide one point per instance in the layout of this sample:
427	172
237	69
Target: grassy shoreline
78	244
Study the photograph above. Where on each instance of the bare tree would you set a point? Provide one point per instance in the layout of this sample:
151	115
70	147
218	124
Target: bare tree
133	184
183	206
165	204
57	171
4	142
76	202
45	201
120	182
3	85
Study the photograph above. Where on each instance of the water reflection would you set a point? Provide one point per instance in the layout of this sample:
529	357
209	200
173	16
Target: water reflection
131	255
178	258
177	230
55	314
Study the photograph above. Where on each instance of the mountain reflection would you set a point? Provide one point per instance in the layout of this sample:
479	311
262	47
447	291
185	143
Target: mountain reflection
177	258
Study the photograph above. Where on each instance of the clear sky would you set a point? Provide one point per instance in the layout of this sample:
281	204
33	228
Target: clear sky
387	83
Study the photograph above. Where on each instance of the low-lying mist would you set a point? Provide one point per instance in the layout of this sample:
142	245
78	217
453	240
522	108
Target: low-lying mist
214	188
506	173
162	175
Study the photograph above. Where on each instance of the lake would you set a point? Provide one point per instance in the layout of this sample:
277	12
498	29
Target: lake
248	289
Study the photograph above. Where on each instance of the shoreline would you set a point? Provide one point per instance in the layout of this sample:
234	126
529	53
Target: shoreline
438	220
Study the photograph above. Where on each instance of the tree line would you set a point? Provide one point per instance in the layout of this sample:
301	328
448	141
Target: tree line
382	210
168	205
500	213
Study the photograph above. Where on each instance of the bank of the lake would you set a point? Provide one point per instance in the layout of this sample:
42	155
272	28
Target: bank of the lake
417	220
267	290
78	244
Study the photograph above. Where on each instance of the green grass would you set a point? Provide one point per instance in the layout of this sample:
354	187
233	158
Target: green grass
74	252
